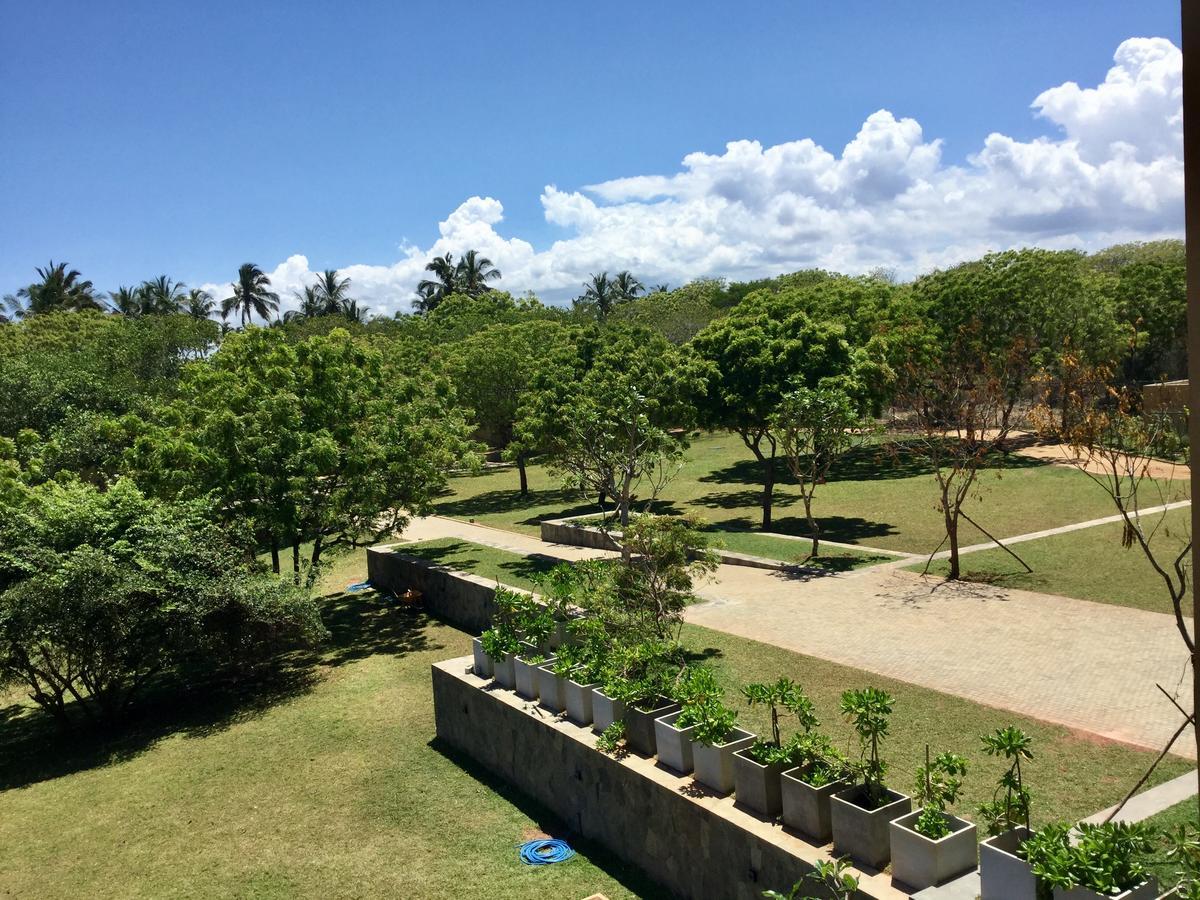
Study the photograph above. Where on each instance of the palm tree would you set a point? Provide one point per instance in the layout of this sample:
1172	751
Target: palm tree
161	295
59	289
126	301
626	286
332	292
251	295
199	304
433	291
355	313
472	274
601	294
310	305
662	288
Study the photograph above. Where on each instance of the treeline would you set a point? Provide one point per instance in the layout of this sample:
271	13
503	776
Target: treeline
126	436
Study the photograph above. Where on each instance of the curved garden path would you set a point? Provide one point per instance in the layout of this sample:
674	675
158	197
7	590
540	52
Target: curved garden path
1088	666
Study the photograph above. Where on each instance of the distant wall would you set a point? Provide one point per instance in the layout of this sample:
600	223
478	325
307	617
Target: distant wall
467	601
694	844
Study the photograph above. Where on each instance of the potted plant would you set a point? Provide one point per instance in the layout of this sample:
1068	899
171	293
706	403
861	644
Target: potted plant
534	621
930	846
828	878
859	815
499	645
1004	872
756	769
1094	861
552	681
643	681
586	649
673	732
819	771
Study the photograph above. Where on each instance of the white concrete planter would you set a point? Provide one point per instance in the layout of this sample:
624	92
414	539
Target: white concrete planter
605	710
713	763
922	862
1147	890
863	833
1003	874
639	725
673	745
482	662
550	688
578	700
505	671
756	786
806	808
527	680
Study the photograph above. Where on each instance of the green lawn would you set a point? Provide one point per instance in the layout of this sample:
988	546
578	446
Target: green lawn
1089	564
872	498
487	562
329	785
1163	868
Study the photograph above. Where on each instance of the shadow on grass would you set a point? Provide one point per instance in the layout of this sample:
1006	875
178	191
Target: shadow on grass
34	748
504	501
628	876
844	529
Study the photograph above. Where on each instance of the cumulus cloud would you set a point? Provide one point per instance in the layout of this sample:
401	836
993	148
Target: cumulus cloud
1111	171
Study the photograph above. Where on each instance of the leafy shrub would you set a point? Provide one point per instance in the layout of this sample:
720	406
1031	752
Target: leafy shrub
938	785
1006	812
868	711
105	592
1107	859
702	709
783	694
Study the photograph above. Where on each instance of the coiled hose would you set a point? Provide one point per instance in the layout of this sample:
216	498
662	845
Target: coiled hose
546	851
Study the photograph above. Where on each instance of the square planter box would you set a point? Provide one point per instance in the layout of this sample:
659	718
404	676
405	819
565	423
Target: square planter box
527	680
578	700
505	671
483	663
605	710
1003	875
639	725
922	862
673	745
1147	890
806	808
550	688
756	786
714	762
863	833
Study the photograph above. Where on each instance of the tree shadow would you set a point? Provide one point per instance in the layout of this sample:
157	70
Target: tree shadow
501	501
33	748
747	499
628	876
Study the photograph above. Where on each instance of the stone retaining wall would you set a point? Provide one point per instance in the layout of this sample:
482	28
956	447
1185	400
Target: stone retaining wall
694	844
466	601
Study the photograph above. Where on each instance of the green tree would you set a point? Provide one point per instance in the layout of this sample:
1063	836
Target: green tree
492	371
161	295
762	350
315	441
627	287
816	426
251	295
58	289
198	304
104	591
599	294
332	293
432	291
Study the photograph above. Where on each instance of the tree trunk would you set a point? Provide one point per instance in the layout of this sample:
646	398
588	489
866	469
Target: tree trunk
813	528
524	476
952	534
296	559
275	553
316	557
768	494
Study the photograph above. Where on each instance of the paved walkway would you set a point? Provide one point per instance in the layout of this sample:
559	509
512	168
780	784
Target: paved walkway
1089	666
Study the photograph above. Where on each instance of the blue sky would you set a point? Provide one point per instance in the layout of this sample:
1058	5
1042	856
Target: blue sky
187	138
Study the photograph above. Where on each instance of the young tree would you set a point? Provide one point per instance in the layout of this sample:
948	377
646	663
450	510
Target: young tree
603	410
816	426
762	350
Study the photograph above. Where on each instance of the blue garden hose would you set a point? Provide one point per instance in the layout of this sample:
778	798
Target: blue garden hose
544	852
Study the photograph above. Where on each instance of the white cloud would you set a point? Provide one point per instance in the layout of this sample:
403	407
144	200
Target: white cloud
1114	173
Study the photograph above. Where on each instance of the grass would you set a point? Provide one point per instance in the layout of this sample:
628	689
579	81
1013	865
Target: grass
329	790
487	562
872	497
1089	564
1169	820
328	784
